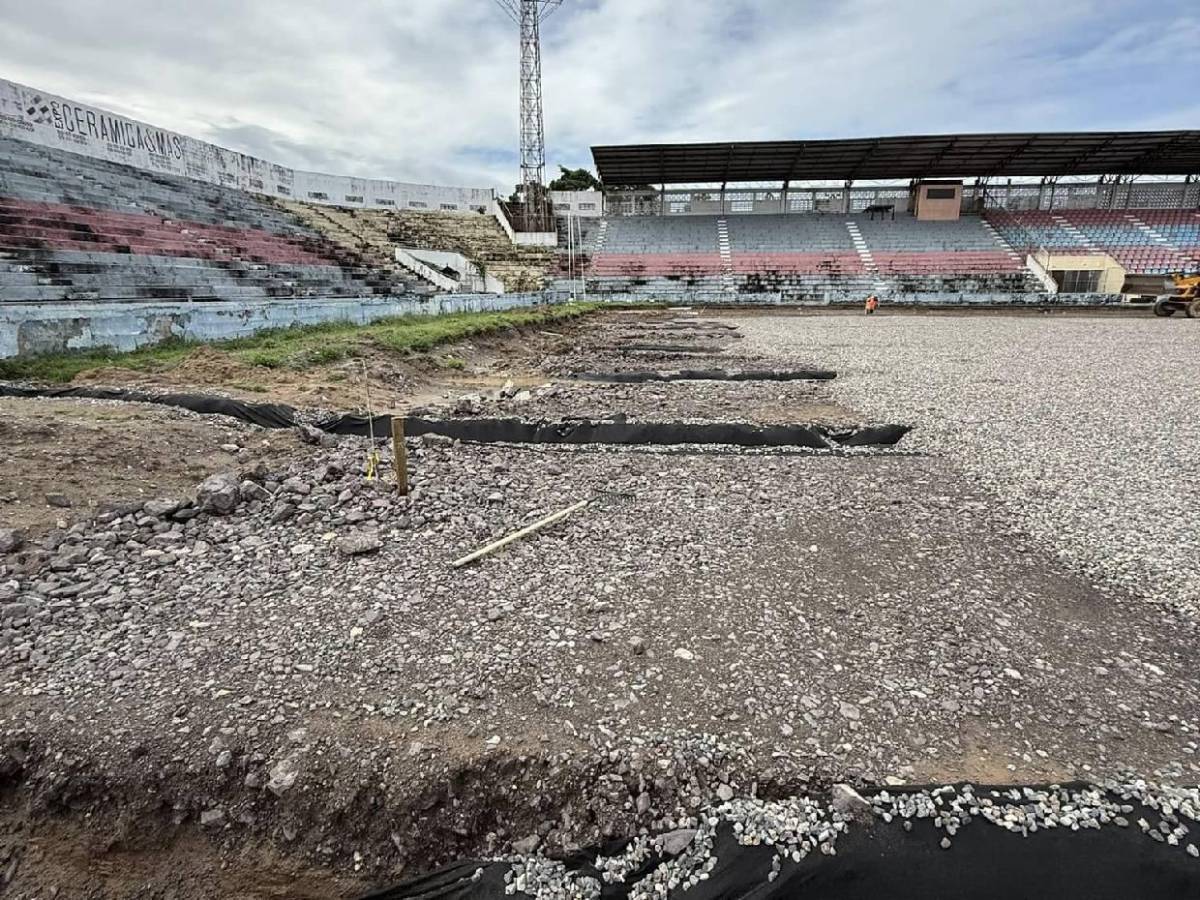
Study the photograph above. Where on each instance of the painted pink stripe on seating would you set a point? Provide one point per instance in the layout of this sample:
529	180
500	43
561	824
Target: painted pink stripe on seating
55	226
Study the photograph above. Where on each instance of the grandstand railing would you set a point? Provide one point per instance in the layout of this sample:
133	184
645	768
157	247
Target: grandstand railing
838	200
997	209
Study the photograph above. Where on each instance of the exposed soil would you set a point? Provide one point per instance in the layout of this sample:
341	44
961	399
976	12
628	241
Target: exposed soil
389	380
75	861
96	453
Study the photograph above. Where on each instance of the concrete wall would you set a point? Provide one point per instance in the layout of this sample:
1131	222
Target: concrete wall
683	294
27	329
470	278
45	119
930	299
1112	274
536	238
585	204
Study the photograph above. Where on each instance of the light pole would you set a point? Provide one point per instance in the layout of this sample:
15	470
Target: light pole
528	14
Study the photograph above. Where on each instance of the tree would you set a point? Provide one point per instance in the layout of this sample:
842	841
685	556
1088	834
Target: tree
575	180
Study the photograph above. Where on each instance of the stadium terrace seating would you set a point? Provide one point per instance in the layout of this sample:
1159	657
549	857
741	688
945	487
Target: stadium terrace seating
1143	241
793	245
642	235
74	228
666	264
377	232
803	256
636	247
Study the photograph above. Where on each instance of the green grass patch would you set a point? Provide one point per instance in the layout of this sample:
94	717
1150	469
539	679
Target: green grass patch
302	347
59	367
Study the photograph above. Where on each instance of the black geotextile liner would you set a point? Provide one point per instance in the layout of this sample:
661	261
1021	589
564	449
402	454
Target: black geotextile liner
267	415
277	415
881	861
519	431
708	375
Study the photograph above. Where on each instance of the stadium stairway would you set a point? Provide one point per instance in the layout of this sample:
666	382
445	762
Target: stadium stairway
74	228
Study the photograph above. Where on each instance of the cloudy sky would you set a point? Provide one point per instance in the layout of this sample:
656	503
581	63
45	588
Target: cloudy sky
426	90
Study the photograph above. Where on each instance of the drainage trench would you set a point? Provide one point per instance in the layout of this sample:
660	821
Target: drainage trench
518	431
741	434
706	375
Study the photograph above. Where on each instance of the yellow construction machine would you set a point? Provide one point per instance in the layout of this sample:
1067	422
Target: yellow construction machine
1186	297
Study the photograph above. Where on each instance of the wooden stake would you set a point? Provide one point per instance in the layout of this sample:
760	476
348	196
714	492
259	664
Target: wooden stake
517	535
401	453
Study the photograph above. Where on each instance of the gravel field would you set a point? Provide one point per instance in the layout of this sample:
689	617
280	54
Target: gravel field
285	664
1087	429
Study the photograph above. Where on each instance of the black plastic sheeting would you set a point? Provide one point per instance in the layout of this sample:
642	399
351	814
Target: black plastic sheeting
516	431
707	375
267	415
275	415
879	861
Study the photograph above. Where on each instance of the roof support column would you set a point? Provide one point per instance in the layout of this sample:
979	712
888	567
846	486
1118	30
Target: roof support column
723	197
979	194
846	196
783	197
662	199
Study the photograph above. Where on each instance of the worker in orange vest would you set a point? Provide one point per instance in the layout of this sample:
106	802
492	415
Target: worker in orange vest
872	304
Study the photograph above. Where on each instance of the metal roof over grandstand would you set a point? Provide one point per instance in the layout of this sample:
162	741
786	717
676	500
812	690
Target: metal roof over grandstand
921	156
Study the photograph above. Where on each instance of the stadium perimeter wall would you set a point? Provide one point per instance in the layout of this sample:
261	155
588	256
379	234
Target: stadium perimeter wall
945	300
48	120
28	329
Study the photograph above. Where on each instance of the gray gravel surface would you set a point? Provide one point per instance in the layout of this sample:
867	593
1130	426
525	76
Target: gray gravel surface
1085	428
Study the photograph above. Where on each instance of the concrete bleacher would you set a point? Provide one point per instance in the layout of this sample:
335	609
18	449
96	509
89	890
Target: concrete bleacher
793	244
1142	241
377	233
685	246
803	256
914	255
75	228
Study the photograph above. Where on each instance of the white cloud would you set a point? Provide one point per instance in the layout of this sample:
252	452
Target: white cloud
426	90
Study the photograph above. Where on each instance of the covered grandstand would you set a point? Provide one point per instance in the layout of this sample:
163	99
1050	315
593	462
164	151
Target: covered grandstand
972	216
